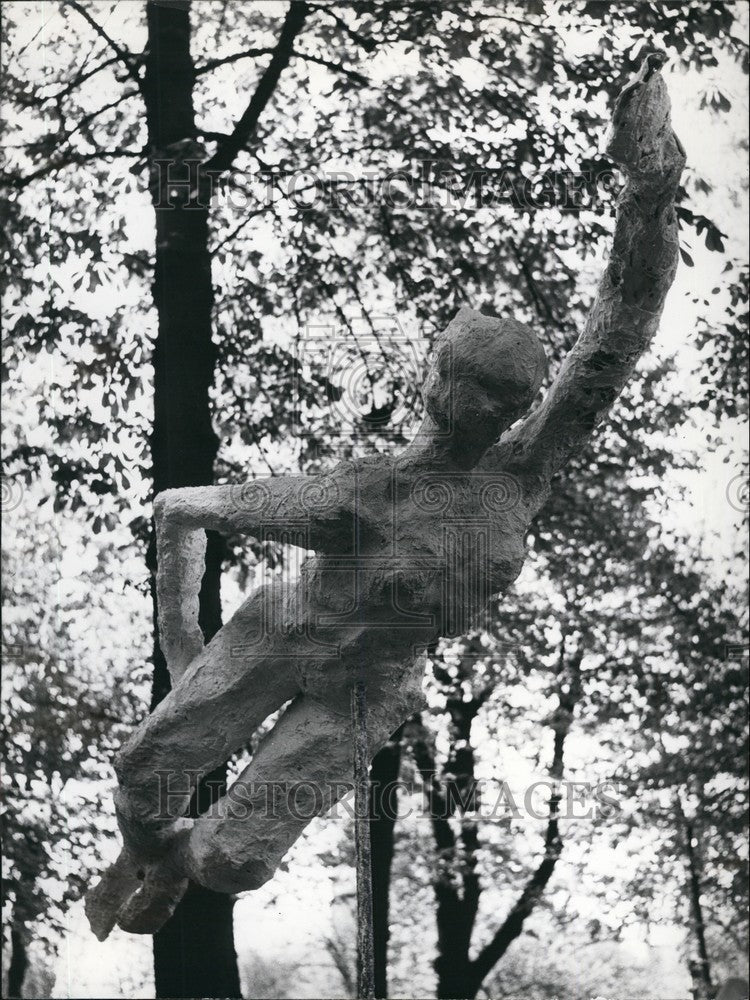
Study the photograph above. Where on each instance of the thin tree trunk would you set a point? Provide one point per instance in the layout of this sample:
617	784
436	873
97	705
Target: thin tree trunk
194	952
700	970
456	913
19	962
383	777
456	884
454	910
512	926
569	689
457	887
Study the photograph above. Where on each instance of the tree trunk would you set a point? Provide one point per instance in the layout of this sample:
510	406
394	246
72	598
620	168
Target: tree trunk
383	777
700	969
568	692
19	962
455	910
194	952
456	884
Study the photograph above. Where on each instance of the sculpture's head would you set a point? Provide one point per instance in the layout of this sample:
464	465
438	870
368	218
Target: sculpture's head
484	375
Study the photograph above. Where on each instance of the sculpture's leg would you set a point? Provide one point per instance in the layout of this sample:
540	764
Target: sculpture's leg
225	694
302	767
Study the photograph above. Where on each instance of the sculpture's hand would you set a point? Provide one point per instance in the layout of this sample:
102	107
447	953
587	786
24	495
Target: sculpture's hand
630	299
640	138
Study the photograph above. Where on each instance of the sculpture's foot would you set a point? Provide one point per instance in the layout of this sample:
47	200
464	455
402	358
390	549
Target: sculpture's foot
149	908
103	902
139	896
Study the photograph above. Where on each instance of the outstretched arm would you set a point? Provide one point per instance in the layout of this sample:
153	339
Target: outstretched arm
630	299
320	508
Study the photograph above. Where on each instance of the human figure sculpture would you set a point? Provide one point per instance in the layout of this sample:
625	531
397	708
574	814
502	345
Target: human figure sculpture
406	550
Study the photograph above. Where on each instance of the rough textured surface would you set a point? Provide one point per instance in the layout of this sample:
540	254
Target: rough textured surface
407	549
630	298
362	846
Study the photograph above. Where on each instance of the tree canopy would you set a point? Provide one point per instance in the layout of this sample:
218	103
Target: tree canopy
375	166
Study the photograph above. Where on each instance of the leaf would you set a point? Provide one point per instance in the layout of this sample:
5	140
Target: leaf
687	259
713	239
723	102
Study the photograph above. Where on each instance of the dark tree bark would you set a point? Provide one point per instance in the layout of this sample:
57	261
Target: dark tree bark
568	692
19	962
457	887
383	804
700	969
194	952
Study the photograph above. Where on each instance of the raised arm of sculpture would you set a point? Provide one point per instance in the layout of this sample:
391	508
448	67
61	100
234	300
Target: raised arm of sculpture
630	299
407	548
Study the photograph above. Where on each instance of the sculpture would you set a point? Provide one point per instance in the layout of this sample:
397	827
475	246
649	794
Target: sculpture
407	549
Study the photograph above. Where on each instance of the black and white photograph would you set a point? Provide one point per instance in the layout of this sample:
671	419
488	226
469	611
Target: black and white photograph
375	499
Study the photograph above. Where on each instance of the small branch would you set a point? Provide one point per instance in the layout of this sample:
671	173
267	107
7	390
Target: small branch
8	180
81	78
340	958
125	57
212	136
86	119
536	25
19	183
335	67
245	127
248	219
234	57
541	304
364	41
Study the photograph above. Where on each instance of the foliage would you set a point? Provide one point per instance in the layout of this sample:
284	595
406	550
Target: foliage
412	159
442	198
68	697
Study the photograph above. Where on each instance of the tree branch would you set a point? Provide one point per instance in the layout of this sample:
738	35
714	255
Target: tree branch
569	688
336	67
212	136
245	127
81	78
73	157
126	58
364	41
268	207
18	183
234	57
85	120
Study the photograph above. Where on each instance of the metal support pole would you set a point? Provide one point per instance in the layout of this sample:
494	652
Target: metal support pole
365	948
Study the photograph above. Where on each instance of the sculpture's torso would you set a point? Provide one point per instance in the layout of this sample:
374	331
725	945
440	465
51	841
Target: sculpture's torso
420	554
